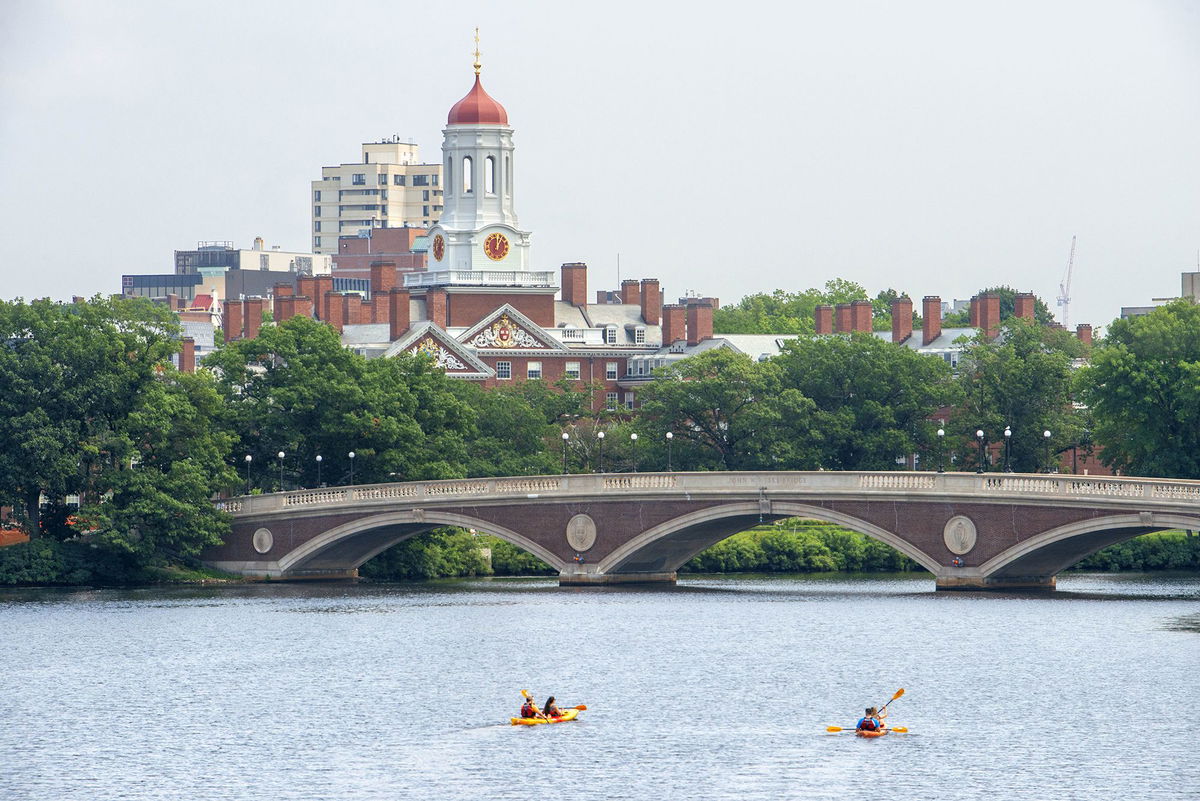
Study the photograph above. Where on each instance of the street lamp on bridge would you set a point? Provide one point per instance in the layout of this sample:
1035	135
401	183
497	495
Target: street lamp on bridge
941	434
979	436
351	455
670	438
633	439
318	470
249	459
281	455
1007	449
565	437
1046	439
600	436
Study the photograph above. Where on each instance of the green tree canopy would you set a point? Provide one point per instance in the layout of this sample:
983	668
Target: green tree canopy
781	312
1008	306
1143	390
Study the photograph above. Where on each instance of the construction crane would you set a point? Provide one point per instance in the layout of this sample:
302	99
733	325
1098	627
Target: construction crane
1064	288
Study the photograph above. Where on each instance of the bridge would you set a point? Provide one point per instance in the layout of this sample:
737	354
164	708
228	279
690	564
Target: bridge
971	531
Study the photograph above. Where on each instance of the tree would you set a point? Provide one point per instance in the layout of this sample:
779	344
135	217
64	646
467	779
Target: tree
783	312
729	409
1020	380
873	401
1143	390
71	375
1008	306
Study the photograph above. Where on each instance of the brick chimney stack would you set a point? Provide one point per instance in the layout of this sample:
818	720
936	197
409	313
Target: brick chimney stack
931	318
283	290
843	320
231	320
383	277
630	291
187	355
651	301
823	320
437	306
335	310
574	283
1084	332
303	306
989	314
254	316
398	315
973	320
902	314
674	323
860	312
1023	306
699	322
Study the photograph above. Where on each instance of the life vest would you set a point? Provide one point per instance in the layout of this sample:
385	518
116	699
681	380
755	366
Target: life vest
868	724
527	711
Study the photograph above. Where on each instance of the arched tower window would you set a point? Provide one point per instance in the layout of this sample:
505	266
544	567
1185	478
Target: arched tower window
466	175
489	175
508	175
449	179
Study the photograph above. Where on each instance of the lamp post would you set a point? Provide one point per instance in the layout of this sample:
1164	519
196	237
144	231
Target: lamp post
670	438
351	455
600	436
249	459
281	455
1007	449
979	436
941	450
565	437
1046	439
318	470
633	439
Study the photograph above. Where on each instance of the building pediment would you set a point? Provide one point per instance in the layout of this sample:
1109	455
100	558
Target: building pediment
432	342
507	329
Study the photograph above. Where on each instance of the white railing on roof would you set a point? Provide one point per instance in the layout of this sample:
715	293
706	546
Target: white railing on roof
480	278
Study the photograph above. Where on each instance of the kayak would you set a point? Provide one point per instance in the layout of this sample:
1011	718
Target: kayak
568	714
879	733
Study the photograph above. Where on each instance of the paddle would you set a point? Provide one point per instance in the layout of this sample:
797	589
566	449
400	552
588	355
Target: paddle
897	729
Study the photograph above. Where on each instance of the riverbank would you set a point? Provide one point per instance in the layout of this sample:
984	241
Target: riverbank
792	546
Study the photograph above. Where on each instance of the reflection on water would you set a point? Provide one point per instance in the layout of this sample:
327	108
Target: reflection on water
720	687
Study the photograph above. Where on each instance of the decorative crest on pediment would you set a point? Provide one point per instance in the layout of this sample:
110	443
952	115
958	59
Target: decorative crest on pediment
443	358
504	333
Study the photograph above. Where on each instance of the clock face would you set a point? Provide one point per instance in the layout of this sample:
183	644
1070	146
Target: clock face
439	247
496	246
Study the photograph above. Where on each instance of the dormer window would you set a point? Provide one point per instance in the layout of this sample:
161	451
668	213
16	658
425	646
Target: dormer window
610	335
639	335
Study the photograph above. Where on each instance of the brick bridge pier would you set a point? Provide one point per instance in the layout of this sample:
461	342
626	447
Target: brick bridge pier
971	531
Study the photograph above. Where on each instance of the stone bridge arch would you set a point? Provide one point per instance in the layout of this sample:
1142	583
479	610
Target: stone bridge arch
668	546
354	542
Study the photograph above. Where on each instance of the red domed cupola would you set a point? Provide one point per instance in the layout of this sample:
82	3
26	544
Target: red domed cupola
477	108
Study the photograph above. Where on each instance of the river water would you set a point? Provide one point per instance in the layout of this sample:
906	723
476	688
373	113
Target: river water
717	688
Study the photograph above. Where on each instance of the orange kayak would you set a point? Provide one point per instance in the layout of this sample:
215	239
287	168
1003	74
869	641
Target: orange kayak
568	714
879	733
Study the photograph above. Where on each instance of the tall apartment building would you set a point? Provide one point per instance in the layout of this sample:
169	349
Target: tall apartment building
389	188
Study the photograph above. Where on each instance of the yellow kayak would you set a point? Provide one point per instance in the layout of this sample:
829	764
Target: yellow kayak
568	714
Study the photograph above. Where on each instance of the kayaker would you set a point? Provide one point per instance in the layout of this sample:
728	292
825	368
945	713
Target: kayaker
550	710
530	710
870	721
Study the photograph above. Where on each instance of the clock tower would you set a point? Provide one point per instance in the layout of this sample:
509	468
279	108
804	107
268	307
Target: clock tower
478	230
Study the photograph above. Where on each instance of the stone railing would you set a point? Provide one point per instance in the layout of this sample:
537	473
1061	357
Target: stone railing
1037	488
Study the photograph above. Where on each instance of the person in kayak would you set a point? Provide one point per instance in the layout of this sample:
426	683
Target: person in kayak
870	721
550	710
530	710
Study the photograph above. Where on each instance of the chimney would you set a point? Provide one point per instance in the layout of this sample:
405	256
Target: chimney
902	314
699	322
823	320
674	324
437	306
974	316
254	316
283	290
1084	332
173	302
844	321
1023	306
860	311
351	309
601	297
285	307
324	290
303	306
383	277
306	285
574	283
335	316
231	320
630	291
989	314
398	316
651	301
931	318
187	356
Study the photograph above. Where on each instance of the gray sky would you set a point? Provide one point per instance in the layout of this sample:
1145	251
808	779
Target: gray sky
726	148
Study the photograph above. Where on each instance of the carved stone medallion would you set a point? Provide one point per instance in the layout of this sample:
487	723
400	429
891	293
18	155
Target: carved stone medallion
581	533
263	540
959	534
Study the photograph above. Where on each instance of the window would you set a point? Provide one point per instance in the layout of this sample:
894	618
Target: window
628	400
504	370
424	194
507	175
573	370
533	370
317	225
639	335
466	175
610	373
317	195
489	175
264	261
316	211
383	179
434	178
421	180
610	400
316	241
398	180
610	335
359	178
424	211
